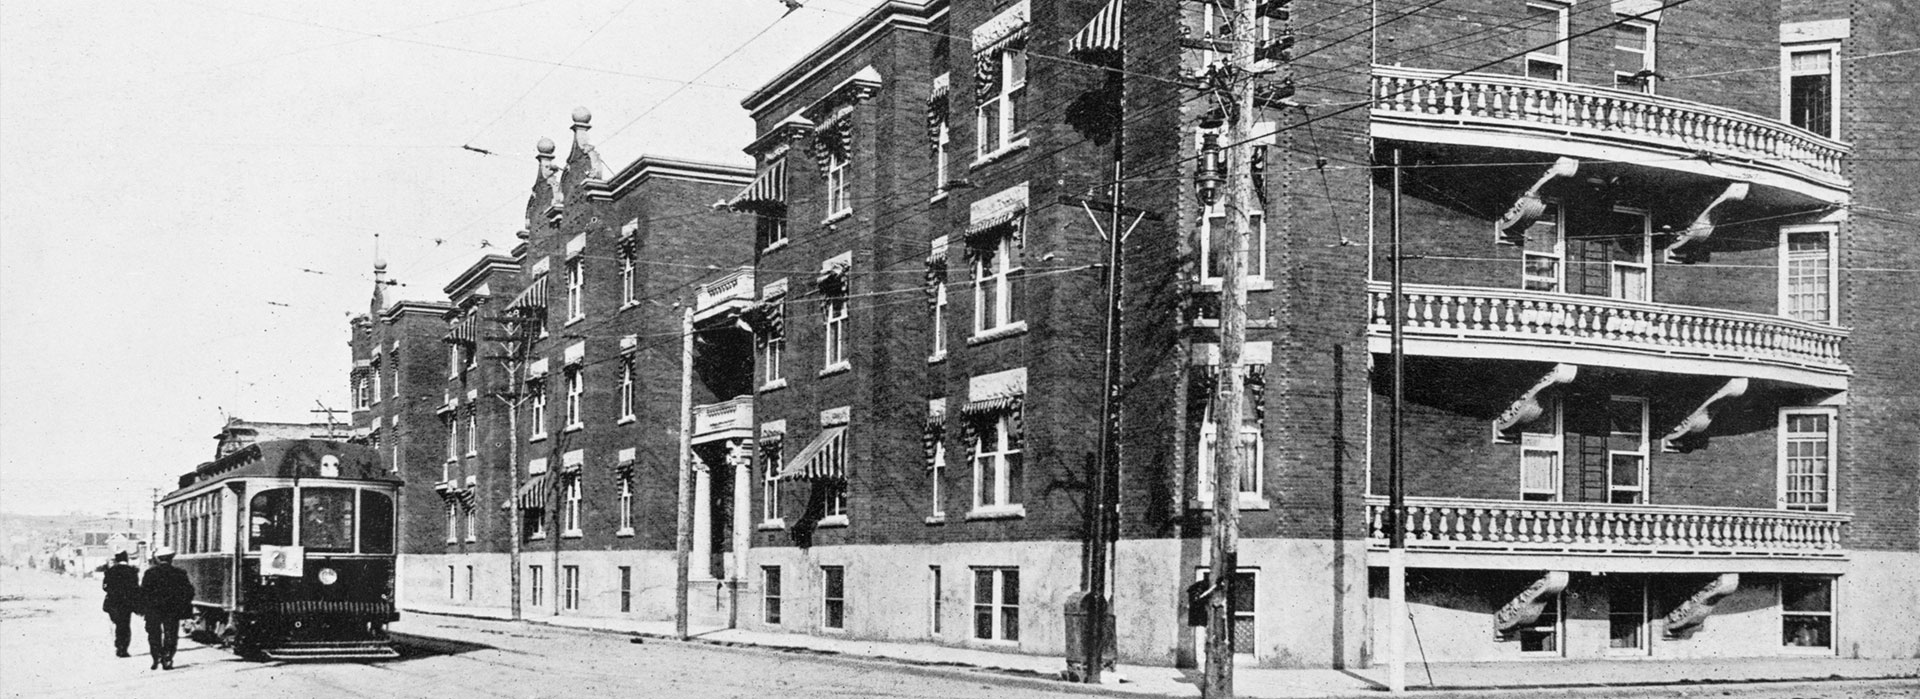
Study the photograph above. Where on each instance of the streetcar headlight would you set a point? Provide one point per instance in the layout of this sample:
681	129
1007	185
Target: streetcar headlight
328	576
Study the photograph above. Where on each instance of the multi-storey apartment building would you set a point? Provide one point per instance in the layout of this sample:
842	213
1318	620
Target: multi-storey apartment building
395	387
1651	406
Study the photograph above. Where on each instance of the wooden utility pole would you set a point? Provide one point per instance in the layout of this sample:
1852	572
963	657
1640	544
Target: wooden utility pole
683	539
516	341
1238	201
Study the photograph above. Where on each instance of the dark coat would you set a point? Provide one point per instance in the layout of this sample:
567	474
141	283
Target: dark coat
167	593
122	583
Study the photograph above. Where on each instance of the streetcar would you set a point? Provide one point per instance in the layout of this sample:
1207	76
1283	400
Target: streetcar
290	546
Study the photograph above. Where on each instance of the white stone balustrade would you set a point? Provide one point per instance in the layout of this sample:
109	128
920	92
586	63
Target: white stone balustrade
1431	95
1571	527
733	290
723	418
1594	322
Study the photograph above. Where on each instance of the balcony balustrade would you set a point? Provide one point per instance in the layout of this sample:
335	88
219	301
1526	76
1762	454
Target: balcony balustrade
731	292
1538	326
1560	109
1513	526
723	420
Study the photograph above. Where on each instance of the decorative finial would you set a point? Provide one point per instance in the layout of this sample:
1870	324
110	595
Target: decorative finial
544	147
582	117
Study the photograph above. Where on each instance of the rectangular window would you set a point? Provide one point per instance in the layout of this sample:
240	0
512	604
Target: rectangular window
770	594
1546	250
1543	635
570	588
1252	452
376	384
933	601
576	291
362	393
626	505
570	510
1806	459
626	388
1612	259
453	357
1216	233
626	588
943	137
996	462
773	348
473	430
1542	444
628	280
992	283
1626	613
537	408
1810	76
453	445
1633	64
1001	120
1627	451
469	583
453	524
770	228
1244	607
770	458
939	321
834	314
396	375
1807	274
1545	35
536	585
996	604
833	597
450	582
473	523
1806	612
839	201
576	387
936	477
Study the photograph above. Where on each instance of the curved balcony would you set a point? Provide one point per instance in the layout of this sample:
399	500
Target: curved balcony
730	293
1514	324
729	419
1595	122
1460	532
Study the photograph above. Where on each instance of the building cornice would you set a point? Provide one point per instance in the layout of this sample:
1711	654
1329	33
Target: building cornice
477	273
647	167
909	15
432	309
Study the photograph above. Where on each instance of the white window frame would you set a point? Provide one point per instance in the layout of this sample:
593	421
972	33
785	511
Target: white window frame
770	485
378	379
576	381
1831	233
998	134
1825	649
454	365
828	574
396	373
537	409
1555	216
1555	627
626	507
1253	463
1210	278
770	595
939	324
570	588
1648	51
626	389
473	321
833	319
1643	453
937	477
453	445
362	393
473	430
993	601
451	582
570	509
453	535
1213	16
1557	56
1252	615
933	601
839	199
993	279
1786	440
1554	444
773	350
473	527
770	229
469	583
995	459
626	589
1615	268
627	276
576	289
1787	74
536	585
942	160
1641	646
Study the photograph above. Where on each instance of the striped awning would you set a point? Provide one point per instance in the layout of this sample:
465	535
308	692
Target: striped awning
460	334
534	297
824	458
1099	41
532	494
768	190
990	406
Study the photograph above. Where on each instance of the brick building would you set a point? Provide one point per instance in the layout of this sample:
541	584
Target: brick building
1657	397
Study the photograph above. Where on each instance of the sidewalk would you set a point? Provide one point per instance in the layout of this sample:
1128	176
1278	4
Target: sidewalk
1473	679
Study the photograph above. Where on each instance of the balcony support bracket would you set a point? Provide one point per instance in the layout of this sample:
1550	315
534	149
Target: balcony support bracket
1527	406
1525	608
1690	433
1511	229
1687	618
1702	227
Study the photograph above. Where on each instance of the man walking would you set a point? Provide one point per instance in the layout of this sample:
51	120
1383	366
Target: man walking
168	597
122	583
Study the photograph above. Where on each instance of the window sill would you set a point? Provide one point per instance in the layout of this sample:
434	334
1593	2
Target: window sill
623	531
831	521
938	519
1014	146
573	320
938	196
473	540
1263	323
1252	283
537	536
773	385
537	437
775	245
771	525
936	357
1018	327
629	304
451	542
989	512
1247	501
571	534
839	367
575	427
625	419
837	217
473	454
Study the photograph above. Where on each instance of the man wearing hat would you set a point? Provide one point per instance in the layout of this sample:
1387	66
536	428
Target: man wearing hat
122	583
168	597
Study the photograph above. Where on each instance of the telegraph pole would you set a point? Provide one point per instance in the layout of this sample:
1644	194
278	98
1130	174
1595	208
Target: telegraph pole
515	343
1239	200
1396	491
683	537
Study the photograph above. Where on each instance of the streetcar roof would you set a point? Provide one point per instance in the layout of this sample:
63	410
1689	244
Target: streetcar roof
293	458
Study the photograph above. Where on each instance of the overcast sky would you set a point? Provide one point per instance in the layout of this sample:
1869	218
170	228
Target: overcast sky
191	190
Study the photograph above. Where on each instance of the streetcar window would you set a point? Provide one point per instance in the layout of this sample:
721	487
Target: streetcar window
376	522
326	519
271	516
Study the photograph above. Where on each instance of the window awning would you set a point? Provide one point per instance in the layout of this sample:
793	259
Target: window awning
997	209
822	459
990	406
767	192
534	297
532	494
1100	39
461	334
